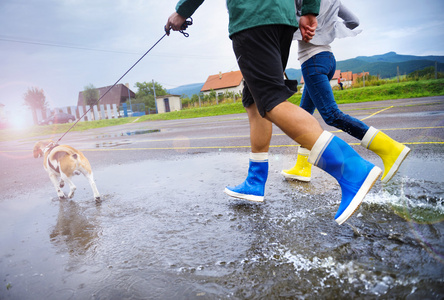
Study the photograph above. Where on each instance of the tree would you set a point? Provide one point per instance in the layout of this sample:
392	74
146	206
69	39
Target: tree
145	93
90	95
426	73
35	99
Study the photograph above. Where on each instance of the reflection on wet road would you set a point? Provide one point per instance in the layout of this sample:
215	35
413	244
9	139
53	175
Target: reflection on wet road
165	229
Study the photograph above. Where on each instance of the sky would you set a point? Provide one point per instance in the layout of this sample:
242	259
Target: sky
61	46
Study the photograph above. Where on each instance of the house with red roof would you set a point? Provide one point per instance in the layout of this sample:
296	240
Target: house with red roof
347	78
224	82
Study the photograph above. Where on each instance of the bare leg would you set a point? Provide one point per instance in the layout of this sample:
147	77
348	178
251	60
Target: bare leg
355	175
260	130
253	188
296	123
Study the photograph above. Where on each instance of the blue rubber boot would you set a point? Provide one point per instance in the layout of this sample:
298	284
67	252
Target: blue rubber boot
253	188
355	175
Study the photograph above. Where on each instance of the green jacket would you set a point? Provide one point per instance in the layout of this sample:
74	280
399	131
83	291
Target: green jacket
244	14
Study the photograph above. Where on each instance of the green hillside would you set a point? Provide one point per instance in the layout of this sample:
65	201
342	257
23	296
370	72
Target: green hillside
387	69
385	65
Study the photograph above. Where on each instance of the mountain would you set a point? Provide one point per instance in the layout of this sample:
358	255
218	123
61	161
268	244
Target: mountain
393	57
388	69
384	65
188	89
294	74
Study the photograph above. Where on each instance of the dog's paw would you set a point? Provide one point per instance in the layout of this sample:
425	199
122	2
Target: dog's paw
98	199
62	196
71	194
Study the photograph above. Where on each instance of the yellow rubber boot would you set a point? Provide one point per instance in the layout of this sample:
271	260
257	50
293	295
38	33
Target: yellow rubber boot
302	170
391	152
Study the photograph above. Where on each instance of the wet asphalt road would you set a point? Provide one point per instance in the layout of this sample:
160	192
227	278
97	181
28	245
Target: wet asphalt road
166	230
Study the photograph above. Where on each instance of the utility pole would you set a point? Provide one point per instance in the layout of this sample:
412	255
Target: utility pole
397	72
129	96
363	77
154	92
436	69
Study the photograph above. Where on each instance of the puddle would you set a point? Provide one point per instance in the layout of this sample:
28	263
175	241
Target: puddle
112	144
166	230
107	136
137	132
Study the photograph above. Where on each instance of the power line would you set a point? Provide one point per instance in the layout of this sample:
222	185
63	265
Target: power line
39	43
62	46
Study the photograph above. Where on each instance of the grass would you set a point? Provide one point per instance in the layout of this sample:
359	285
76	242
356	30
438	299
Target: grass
58	129
409	89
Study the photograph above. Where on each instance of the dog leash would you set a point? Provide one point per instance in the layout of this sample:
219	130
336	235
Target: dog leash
184	26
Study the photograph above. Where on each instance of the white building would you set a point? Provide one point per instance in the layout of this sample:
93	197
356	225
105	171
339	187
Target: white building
168	103
224	82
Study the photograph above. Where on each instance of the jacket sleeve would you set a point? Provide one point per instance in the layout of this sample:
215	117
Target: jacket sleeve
186	8
351	21
311	7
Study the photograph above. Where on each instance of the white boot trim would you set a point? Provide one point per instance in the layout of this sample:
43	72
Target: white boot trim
303	151
259	157
369	136
319	147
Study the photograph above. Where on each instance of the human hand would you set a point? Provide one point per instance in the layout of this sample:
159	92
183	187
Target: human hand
175	22
307	26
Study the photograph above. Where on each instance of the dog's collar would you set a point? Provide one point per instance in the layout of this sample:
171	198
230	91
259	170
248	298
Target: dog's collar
49	147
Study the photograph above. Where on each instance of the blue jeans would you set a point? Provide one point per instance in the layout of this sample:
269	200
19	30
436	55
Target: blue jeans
317	72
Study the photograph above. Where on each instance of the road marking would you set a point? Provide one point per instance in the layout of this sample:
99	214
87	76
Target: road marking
208	147
368	117
274	134
384	109
233	147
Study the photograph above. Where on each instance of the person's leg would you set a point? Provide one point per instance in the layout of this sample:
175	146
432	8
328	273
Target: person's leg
295	122
317	72
260	130
253	187
306	102
261	54
252	53
355	175
391	152
302	169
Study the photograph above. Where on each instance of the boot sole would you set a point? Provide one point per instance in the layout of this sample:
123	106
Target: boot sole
371	179
296	177
396	165
244	196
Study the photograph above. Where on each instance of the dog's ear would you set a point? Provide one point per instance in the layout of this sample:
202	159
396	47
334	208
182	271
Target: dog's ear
38	150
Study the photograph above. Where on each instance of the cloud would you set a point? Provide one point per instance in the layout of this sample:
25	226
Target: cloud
63	45
428	29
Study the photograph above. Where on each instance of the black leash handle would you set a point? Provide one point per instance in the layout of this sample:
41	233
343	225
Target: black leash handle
188	22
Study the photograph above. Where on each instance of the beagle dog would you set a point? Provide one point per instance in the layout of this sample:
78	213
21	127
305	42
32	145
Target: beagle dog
62	162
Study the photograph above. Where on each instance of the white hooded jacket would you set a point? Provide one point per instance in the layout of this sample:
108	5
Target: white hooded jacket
330	27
